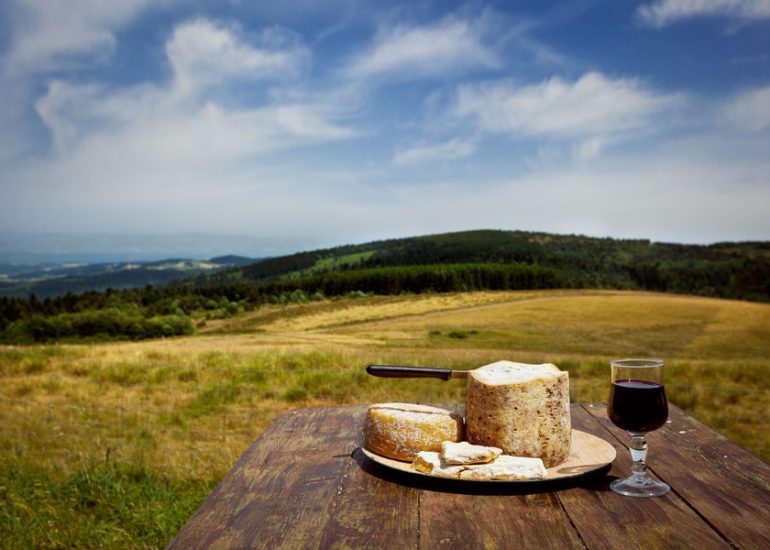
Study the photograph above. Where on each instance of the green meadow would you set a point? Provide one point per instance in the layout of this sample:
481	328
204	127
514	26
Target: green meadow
115	445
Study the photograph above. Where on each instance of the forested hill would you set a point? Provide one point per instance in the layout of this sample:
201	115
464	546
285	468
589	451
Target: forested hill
732	269
473	260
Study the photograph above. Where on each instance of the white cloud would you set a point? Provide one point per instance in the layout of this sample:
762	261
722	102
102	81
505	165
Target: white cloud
180	119
749	110
592	106
206	139
449	150
239	137
49	33
53	35
678	196
665	12
692	191
202	53
128	155
72	111
447	46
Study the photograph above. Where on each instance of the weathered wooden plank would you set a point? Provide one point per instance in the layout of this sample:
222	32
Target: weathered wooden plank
369	511
301	486
456	514
726	484
627	522
279	493
378	508
453	514
450	520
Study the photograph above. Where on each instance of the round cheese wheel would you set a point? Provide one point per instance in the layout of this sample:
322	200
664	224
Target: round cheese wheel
401	430
522	409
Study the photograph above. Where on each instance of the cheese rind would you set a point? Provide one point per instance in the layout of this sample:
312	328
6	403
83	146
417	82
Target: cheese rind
522	409
401	430
503	467
465	453
429	462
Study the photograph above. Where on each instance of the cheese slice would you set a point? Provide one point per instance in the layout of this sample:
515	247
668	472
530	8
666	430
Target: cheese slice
507	467
429	462
502	468
465	453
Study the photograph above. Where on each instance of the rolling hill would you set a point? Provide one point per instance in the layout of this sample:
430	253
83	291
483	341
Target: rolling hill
731	269
136	304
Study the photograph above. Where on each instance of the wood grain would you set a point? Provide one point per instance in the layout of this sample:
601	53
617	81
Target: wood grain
368	512
305	484
726	484
494	521
280	492
662	522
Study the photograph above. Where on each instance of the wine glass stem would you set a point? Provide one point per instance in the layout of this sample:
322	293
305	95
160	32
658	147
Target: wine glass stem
638	450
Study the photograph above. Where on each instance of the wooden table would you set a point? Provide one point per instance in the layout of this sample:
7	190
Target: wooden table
305	484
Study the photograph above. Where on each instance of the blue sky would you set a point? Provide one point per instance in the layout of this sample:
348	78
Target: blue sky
310	123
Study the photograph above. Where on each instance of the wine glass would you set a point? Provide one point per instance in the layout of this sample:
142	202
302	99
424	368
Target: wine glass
638	405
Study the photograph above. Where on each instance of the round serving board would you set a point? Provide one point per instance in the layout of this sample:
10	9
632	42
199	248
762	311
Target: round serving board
587	454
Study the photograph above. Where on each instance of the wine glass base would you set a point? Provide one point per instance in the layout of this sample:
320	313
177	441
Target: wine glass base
639	487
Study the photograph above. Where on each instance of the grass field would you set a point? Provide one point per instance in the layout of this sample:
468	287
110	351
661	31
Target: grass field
115	445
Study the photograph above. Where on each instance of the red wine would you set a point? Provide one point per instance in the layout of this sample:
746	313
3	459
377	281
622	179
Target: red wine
638	405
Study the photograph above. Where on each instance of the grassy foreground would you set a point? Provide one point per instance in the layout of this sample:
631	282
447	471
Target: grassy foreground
115	445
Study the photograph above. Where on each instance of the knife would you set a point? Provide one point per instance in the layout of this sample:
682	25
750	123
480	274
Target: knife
394	371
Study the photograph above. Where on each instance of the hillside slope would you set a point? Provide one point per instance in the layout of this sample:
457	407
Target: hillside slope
731	270
452	262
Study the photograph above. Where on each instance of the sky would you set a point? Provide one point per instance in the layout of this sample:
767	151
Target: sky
301	124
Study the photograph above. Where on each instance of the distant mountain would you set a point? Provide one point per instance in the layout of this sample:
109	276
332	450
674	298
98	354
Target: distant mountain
92	248
231	260
46	280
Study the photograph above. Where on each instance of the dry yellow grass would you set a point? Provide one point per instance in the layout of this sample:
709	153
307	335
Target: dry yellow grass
190	406
388	308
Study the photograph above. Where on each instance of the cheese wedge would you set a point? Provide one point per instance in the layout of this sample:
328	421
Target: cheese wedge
401	430
465	453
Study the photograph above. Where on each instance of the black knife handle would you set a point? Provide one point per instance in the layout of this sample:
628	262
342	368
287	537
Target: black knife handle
393	371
